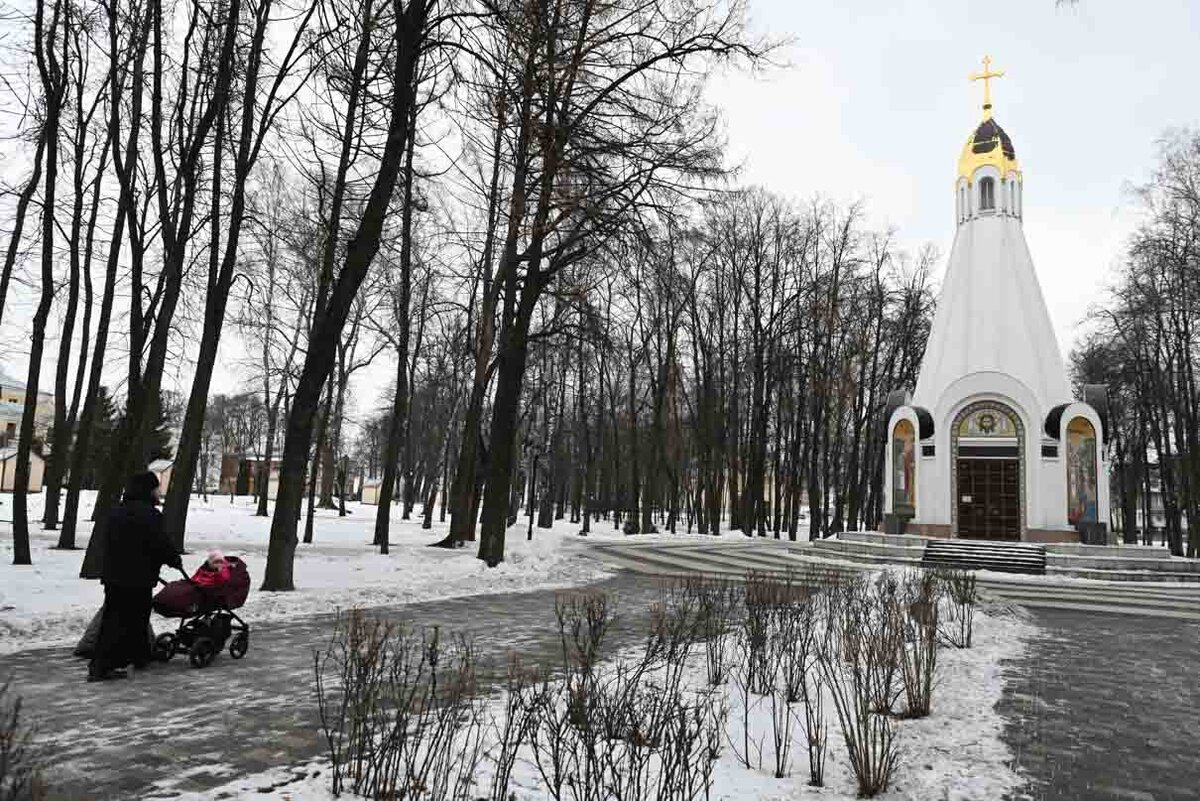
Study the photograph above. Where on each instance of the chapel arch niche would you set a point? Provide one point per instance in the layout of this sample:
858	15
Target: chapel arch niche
987	472
1082	487
904	468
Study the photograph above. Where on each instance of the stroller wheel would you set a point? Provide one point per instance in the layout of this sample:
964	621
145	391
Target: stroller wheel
202	652
240	644
164	647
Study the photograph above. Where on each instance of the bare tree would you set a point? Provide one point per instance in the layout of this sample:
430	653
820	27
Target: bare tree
608	122
258	116
411	26
52	54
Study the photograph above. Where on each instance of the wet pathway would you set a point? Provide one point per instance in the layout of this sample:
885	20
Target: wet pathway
175	728
1106	707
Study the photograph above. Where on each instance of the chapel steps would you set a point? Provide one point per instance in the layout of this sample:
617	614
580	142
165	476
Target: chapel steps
1127	563
999	557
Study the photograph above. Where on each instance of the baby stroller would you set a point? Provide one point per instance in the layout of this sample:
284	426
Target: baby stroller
204	603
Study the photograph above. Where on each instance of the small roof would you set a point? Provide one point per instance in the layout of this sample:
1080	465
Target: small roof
159	465
11	453
251	456
371	482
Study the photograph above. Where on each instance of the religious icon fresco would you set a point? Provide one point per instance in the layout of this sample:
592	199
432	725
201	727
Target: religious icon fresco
1082	495
904	465
987	423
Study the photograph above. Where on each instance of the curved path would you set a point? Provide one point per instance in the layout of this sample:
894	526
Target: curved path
174	728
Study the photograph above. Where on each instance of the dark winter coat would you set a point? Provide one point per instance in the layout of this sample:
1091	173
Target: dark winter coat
137	546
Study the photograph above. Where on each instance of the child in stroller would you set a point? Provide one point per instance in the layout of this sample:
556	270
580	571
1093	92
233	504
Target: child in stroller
204	604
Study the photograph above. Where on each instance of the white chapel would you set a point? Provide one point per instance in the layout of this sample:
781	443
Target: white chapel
992	444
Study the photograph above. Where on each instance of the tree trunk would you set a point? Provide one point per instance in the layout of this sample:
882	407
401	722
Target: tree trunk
397	422
510	373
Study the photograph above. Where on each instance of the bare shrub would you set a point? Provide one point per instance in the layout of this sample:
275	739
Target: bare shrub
512	729
959	587
398	711
20	769
850	657
782	716
716	601
919	653
584	619
816	728
675	627
552	738
760	598
887	632
749	664
802	677
641	735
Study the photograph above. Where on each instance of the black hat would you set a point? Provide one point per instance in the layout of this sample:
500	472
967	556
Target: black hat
141	487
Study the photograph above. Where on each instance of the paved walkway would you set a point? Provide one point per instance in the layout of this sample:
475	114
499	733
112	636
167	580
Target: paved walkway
1106	707
175	728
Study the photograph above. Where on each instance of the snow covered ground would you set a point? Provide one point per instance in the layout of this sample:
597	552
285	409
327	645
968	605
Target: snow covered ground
956	754
48	604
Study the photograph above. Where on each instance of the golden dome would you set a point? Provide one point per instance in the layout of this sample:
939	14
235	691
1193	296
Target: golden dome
988	144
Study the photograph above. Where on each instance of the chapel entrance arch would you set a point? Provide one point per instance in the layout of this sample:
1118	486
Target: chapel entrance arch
988	472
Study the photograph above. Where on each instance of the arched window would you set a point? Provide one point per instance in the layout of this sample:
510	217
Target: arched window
904	467
1082	495
987	194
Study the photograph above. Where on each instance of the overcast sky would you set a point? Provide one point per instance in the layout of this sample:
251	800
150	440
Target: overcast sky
876	105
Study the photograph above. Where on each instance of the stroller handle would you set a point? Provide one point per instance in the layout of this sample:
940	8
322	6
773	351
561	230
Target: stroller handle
186	577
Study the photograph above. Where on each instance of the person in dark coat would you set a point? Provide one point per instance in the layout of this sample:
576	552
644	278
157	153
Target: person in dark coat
137	547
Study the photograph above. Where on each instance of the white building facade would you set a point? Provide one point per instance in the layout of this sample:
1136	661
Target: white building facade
991	443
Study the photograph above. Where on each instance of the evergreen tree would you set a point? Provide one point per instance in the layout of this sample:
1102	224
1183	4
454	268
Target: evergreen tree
101	443
158	443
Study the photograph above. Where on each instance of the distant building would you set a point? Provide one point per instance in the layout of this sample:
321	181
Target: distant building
8	470
1158	512
162	468
241	472
370	491
12	410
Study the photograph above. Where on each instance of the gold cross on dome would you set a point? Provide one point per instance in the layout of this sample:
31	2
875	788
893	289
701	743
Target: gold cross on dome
986	76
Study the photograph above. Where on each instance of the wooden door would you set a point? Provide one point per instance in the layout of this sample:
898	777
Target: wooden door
989	499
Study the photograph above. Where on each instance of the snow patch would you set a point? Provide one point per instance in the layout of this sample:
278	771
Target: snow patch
47	604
